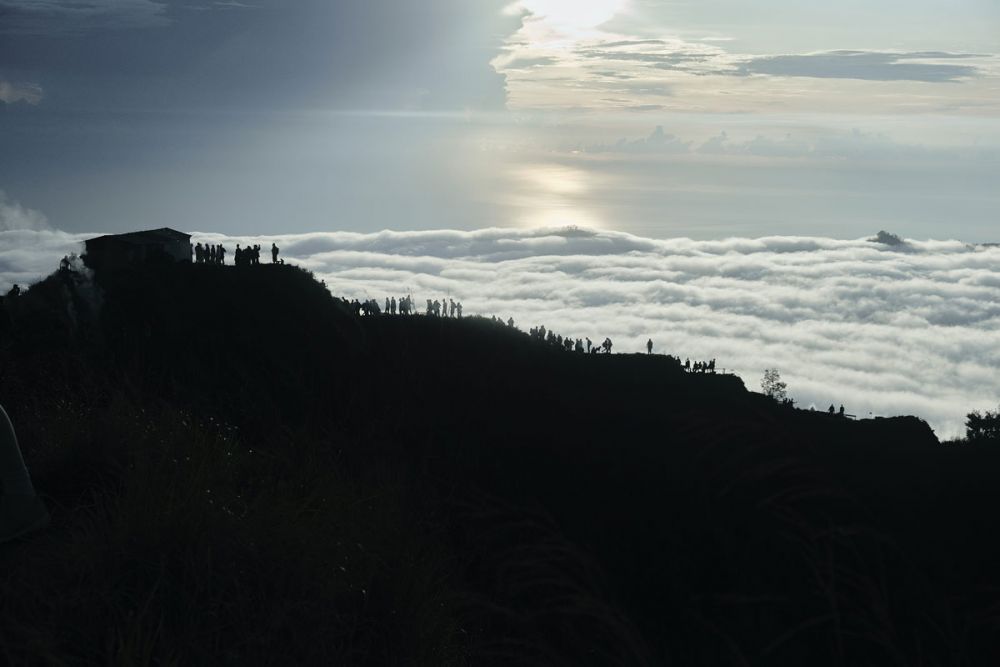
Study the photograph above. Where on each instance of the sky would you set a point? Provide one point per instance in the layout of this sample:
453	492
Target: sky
659	118
703	173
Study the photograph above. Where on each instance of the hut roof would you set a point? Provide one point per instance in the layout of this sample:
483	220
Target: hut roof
164	234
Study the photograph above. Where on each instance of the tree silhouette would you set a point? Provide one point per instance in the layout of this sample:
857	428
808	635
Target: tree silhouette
773	386
982	427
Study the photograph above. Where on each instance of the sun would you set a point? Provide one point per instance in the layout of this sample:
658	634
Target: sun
574	14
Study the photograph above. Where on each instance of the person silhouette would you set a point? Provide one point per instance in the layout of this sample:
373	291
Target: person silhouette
392	306
458	306
222	254
832	409
387	305
841	410
649	346
274	253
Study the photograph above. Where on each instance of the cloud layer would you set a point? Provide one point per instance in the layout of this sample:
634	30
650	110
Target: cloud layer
905	330
35	17
31	93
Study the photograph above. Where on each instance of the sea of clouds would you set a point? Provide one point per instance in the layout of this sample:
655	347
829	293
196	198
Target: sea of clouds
882	329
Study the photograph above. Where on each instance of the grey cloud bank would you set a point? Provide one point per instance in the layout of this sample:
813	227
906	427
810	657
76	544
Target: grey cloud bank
908	330
866	65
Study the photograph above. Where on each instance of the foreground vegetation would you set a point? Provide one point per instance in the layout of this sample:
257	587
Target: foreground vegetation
241	471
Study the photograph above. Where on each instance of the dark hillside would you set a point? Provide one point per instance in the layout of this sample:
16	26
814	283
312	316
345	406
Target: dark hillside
246	472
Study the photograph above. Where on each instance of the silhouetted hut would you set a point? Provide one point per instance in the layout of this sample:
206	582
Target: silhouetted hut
115	251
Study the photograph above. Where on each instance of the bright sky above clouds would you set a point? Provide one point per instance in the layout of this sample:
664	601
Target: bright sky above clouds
658	117
736	57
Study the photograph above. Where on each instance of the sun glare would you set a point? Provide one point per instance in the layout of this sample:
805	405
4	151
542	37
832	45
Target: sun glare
574	14
553	195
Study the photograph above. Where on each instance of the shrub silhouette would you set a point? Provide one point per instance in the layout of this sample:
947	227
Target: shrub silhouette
982	427
773	386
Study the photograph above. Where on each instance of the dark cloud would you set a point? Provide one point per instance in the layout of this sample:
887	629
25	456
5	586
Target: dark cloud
528	63
195	54
632	42
865	65
47	17
673	58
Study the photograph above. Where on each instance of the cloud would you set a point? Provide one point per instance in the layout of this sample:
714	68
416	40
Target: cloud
14	216
845	321
529	62
30	93
697	67
842	145
45	17
866	65
212	55
658	141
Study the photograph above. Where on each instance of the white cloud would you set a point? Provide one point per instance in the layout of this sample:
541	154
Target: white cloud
636	60
20	92
888	331
14	216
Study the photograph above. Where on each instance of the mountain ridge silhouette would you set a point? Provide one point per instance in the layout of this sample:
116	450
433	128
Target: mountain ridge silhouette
490	499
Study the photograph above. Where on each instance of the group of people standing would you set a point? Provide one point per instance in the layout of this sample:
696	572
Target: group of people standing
582	345
216	254
700	366
405	306
440	308
209	254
